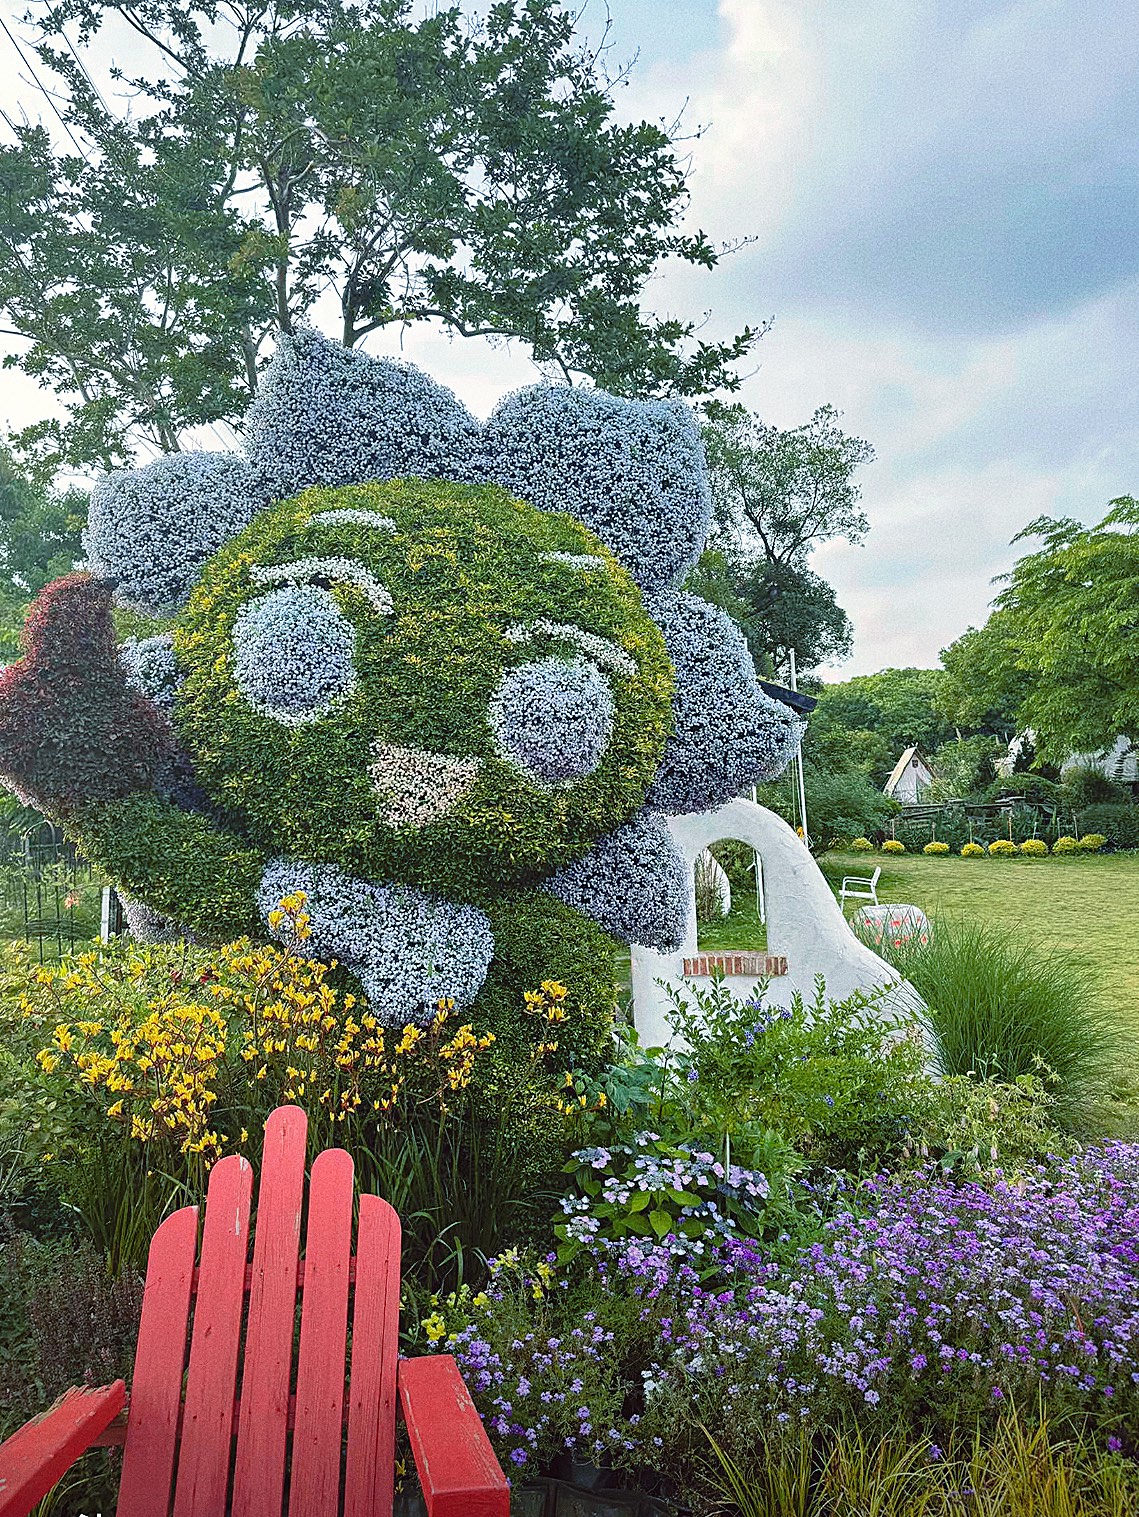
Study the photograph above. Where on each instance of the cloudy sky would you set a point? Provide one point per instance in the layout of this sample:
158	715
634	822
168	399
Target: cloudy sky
944	198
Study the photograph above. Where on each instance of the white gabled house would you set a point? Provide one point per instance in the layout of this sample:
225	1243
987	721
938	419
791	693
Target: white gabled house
910	778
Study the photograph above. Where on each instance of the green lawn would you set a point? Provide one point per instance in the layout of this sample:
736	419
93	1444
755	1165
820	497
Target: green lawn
1087	903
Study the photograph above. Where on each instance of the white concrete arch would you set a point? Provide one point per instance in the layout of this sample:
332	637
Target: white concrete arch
805	924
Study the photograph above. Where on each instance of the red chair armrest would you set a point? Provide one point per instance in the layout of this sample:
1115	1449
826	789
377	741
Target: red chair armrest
39	1453
458	1471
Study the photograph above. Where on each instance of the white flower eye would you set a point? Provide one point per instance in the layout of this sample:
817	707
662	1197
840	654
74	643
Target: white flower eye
293	653
553	718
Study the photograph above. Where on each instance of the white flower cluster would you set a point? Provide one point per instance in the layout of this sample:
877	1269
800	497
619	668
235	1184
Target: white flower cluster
352	514
553	718
599	649
415	787
631	470
575	560
329	415
293	652
408	950
728	733
152	529
148	663
347	570
633	883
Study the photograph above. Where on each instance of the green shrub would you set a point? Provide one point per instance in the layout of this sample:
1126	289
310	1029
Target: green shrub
1002	848
972	851
935	849
1034	847
1004	1006
892	845
1065	844
1119	824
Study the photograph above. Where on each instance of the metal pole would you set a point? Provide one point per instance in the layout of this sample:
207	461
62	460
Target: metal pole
799	762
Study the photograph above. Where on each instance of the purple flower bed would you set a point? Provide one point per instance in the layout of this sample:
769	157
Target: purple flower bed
932	1300
943	1294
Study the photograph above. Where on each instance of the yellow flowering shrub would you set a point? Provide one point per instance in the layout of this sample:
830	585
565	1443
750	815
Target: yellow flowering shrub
973	851
194	1068
893	845
1001	848
1034	848
934	849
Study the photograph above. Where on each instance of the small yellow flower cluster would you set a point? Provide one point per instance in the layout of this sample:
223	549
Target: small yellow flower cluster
157	1075
548	1003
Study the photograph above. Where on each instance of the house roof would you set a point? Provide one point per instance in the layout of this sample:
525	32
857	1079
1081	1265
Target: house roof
902	765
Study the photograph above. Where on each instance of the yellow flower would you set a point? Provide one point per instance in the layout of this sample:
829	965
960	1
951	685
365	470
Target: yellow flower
434	1327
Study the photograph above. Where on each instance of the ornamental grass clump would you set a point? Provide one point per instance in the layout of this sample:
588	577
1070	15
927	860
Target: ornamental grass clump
1004	1006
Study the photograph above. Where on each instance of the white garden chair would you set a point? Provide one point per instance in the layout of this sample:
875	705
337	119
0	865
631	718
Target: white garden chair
858	887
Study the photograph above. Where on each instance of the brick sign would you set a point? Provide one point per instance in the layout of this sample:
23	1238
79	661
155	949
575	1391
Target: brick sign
755	966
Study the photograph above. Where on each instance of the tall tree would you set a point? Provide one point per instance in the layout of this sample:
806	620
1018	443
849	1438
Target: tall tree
776	496
778	606
784	491
283	155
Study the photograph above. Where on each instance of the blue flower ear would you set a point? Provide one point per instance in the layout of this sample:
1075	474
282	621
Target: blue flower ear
633	883
328	415
728	733
631	470
152	529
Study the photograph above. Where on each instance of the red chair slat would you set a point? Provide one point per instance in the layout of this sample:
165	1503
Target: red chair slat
43	1450
458	1472
160	1359
314	1486
263	1418
207	1420
369	1476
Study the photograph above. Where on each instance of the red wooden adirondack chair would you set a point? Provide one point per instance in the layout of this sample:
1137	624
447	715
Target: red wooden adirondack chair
196	1449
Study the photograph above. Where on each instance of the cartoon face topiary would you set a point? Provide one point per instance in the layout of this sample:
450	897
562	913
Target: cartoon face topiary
411	666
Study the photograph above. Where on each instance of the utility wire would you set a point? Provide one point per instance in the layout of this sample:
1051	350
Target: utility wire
43	90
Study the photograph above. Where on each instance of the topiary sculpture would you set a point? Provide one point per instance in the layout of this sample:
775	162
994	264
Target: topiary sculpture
429	672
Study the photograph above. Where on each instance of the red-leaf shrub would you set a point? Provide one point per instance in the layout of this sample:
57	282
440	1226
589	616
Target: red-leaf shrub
71	728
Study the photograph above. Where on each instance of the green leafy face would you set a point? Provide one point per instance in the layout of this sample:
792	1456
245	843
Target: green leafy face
422	682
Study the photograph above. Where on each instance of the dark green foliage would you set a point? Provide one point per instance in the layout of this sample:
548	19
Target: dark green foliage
1004	1006
984	686
39	541
1058	654
469	173
841	804
463	568
182	864
539	938
778	607
898	705
1119	823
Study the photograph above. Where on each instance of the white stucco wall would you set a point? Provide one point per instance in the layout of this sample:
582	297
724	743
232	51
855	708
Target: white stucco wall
804	923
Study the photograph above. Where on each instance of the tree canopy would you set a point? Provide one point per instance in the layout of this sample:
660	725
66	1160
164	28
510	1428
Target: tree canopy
784	492
280	159
776	496
1065	633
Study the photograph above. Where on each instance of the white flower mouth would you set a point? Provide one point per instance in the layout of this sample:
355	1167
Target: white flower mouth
416	786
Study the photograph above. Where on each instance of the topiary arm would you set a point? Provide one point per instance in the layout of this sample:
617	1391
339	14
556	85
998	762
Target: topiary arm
180	863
